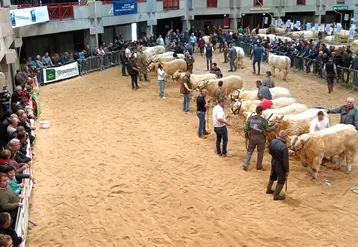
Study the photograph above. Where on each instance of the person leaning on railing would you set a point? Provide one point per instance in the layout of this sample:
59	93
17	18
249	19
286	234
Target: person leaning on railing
9	200
6	229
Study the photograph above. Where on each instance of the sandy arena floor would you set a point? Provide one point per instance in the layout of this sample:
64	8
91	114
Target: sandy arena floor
125	168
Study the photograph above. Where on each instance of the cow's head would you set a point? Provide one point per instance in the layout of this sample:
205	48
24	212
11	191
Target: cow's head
202	84
297	142
235	95
236	106
177	74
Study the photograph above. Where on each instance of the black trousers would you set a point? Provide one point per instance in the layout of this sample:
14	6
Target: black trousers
277	172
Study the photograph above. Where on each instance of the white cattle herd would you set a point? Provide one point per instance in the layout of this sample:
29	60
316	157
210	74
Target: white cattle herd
289	115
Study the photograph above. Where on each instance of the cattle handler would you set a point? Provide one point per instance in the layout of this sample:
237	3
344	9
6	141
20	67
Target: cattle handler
254	132
279	165
330	70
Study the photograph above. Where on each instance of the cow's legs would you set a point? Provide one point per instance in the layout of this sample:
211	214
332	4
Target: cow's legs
339	160
315	166
285	73
273	71
349	160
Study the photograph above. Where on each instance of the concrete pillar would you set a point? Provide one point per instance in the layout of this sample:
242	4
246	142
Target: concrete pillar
318	18
233	24
186	25
5	69
149	30
5	3
94	41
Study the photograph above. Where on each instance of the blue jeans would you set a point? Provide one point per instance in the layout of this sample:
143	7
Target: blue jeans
221	133
186	102
161	88
209	61
202	122
134	80
124	68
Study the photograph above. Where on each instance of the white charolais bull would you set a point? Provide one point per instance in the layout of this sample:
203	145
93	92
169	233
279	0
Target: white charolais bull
168	56
355	42
172	66
240	57
295	124
279	62
194	79
243	95
278	112
339	140
250	105
230	84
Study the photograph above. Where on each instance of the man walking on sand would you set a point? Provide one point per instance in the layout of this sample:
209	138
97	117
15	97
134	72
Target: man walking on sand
220	129
185	89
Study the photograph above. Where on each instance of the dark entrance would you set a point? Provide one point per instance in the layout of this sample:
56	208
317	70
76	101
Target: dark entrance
164	25
254	20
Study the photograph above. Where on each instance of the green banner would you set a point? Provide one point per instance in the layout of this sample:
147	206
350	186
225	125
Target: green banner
340	7
50	74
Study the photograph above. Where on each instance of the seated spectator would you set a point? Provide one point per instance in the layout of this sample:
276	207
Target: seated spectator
9	200
17	95
12	181
24	121
6	229
19	78
46	60
14	122
14	147
5	241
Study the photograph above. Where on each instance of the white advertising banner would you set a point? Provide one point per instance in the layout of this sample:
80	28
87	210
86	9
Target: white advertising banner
61	73
28	16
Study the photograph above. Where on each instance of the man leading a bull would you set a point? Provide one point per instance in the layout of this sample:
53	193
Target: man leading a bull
279	165
255	128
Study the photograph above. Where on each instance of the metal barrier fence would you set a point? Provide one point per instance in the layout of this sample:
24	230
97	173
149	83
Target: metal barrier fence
96	63
299	63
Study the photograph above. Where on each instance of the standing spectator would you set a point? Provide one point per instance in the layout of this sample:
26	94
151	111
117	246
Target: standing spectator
40	66
189	48
201	44
240	30
257	53
185	89
201	107
208	51
12	182
124	61
128	53
5	228
5	241
349	114
354	66
189	59
217	92
330	70
226	51
232	58
219	122
161	80
133	71
46	60
192	40
9	200
160	40
279	165
268	82
5	99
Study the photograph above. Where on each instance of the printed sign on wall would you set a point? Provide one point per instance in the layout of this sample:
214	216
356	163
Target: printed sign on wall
28	16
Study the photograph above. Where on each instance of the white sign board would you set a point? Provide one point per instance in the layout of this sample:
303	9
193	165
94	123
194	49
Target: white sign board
28	16
61	73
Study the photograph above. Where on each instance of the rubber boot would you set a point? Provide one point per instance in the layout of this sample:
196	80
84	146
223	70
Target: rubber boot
329	89
269	187
276	195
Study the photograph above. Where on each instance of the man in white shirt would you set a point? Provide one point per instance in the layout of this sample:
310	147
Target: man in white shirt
128	52
219	122
319	123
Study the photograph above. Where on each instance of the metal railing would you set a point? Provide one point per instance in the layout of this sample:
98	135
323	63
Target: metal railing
96	63
303	64
57	11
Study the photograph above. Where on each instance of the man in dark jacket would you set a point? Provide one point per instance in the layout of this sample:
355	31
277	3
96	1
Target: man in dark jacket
349	114
17	95
330	70
124	61
5	228
279	165
133	71
354	66
201	106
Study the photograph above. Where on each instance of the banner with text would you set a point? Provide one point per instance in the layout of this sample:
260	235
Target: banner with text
60	73
124	7
28	16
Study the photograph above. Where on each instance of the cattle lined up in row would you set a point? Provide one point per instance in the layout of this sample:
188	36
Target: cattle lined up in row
295	119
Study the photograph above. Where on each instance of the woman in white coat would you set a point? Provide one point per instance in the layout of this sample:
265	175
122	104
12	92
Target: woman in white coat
161	80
